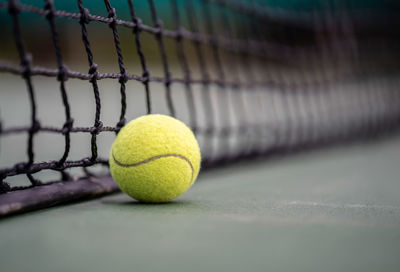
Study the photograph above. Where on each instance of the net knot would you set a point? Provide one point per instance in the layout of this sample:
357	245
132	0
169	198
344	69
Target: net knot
48	7
146	76
85	16
168	80
158	29
138	25
97	128
87	162
13	8
120	124
123	78
25	63
112	15
62	74
93	68
93	72
35	127
67	126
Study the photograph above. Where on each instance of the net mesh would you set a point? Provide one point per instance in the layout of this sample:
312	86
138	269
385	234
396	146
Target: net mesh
249	78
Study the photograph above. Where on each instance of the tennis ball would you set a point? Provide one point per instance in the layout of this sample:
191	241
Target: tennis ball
155	158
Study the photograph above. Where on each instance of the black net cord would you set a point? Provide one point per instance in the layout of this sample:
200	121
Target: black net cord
145	71
84	20
61	77
26	65
26	74
167	74
123	77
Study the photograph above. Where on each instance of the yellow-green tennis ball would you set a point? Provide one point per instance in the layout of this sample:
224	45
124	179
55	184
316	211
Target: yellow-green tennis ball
155	158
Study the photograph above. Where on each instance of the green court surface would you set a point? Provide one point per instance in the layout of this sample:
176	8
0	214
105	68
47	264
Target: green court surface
336	209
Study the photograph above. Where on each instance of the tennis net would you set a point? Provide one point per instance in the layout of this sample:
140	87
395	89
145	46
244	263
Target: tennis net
251	78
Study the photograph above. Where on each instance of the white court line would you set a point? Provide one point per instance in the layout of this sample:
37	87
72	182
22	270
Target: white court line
340	206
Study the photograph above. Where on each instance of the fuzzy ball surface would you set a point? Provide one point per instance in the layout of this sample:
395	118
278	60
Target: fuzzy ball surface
155	158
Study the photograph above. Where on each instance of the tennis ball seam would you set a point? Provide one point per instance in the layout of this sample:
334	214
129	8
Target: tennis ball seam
153	159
